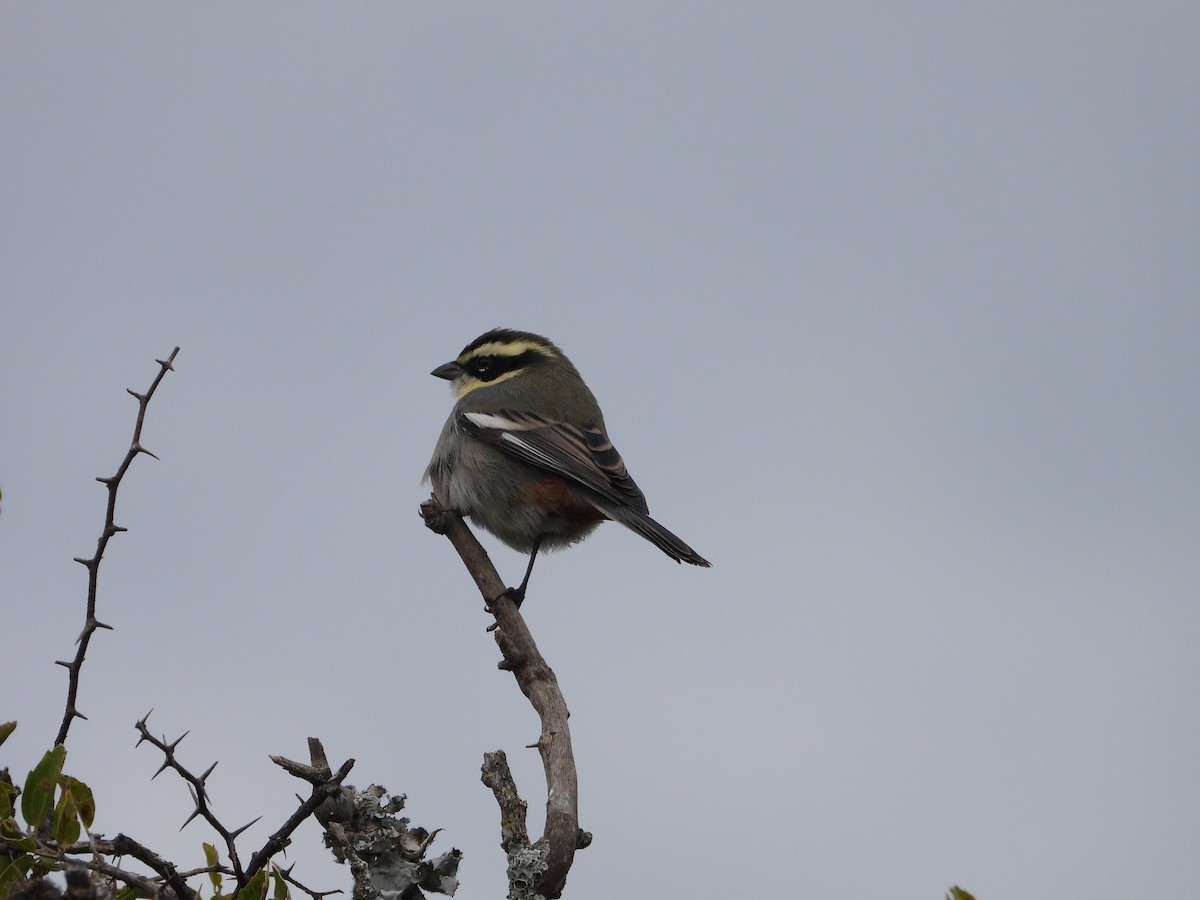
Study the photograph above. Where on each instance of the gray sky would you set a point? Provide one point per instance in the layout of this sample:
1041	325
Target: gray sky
893	312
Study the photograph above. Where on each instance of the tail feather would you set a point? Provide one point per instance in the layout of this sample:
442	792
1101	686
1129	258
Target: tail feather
665	540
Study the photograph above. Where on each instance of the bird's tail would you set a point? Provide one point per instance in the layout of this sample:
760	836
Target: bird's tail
666	541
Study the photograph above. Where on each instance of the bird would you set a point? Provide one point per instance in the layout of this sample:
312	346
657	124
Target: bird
526	456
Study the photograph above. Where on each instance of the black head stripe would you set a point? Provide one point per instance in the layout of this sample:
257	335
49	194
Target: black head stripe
490	367
504	351
507	336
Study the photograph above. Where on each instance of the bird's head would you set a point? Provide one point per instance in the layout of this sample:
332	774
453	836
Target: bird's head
497	356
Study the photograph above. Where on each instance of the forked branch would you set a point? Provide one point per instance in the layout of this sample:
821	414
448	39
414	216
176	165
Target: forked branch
554	852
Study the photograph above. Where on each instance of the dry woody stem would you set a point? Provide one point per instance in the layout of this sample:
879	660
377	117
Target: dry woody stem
556	848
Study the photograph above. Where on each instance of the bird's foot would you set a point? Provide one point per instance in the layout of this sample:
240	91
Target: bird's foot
516	595
437	517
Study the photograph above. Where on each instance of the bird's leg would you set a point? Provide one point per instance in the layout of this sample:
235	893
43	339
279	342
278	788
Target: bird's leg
517	594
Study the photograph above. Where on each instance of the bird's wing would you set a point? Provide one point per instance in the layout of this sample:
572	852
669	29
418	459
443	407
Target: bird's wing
582	455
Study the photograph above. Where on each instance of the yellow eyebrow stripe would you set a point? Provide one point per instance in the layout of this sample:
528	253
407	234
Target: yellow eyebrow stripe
505	348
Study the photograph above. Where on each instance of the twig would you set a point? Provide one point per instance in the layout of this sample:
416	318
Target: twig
286	874
112	482
122	845
386	857
196	783
562	837
281	838
498	776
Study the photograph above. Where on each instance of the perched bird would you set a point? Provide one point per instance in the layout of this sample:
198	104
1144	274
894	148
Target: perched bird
525	453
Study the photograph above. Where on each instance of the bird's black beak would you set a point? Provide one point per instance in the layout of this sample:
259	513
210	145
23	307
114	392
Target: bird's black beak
449	371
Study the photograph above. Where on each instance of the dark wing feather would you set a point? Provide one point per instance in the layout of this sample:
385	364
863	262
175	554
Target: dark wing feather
582	455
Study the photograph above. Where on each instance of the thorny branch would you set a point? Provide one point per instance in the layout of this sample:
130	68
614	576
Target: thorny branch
113	482
197	785
540	868
122	845
326	785
386	857
360	828
97	846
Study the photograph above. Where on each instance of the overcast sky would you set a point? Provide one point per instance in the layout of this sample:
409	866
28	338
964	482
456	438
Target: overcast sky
894	312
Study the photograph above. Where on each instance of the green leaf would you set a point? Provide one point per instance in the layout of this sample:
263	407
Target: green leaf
6	729
7	792
66	820
85	804
281	888
212	859
129	892
15	836
13	870
255	889
37	797
957	893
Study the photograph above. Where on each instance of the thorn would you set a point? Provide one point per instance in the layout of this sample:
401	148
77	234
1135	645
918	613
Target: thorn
141	398
504	665
195	813
166	363
107	481
77	714
207	772
234	834
166	765
89	563
171	747
141	723
140	449
65	665
116	529
100	624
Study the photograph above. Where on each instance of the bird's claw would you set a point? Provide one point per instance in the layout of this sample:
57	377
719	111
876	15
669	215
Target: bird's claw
516	595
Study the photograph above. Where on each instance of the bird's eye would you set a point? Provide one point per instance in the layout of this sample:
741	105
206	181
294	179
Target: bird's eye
482	364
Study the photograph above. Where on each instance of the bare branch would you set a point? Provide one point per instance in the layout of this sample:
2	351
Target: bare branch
286	874
123	845
562	837
199	796
98	847
386	856
91	623
322	791
498	776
